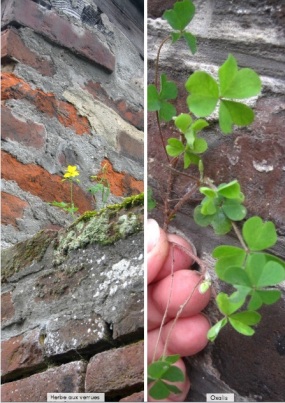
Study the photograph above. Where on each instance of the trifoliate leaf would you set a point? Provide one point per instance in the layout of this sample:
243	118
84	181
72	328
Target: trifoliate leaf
181	14
236	276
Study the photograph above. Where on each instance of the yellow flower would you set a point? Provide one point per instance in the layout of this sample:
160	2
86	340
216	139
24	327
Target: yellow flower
71	172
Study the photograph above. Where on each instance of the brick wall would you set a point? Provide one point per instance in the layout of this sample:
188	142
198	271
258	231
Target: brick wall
72	94
72	297
253	31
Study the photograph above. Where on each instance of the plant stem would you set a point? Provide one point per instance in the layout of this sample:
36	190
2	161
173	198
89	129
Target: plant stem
71	197
167	306
240	238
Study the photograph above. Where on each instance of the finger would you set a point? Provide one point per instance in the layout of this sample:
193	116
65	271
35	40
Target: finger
157	249
188	337
183	386
177	258
185	283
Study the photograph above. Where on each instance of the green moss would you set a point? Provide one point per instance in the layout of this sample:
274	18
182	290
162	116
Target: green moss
106	226
24	253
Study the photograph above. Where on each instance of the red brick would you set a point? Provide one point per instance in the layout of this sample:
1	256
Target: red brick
12	208
7	306
14	87
36	180
68	378
12	47
28	133
49	24
21	354
135	397
116	371
135	117
121	184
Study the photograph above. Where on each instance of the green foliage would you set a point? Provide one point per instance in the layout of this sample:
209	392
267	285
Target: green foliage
158	101
250	272
151	203
220	207
67	207
178	18
206	92
160	373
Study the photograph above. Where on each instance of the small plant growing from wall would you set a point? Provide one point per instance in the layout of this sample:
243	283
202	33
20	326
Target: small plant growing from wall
249	269
102	187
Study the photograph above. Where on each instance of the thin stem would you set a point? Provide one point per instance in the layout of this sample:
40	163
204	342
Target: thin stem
167	305
161	136
157	59
238	234
71	197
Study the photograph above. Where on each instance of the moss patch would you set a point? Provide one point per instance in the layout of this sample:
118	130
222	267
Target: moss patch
106	226
24	253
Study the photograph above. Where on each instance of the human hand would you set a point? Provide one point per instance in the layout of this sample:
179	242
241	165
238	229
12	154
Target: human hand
189	335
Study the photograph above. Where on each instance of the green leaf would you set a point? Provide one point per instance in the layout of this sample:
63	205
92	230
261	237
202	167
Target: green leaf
208	206
175	147
157	369
220	223
159	390
208	191
230	190
226	306
270	274
266	297
173	374
214	331
153	102
228	256
231	112
190	138
151	203
199	124
168	88
239	84
181	14
190	158
227	71
201	219
183	121
234	210
175	36
171	359
204	93
236	276
191	41
249	318
241	327
259	235
167	111
200	146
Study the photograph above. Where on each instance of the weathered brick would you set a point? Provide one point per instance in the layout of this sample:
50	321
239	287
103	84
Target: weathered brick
36	180
26	132
21	354
135	117
7	306
49	24
12	207
116	371
135	397
68	378
73	335
121	184
14	87
130	147
12	47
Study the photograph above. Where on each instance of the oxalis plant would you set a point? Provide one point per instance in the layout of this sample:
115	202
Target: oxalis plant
249	269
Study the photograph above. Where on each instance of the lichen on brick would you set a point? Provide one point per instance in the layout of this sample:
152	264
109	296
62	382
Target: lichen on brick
106	226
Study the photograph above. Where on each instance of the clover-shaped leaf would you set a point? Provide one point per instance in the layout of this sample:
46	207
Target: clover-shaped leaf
181	14
175	147
258	234
204	93
158	101
242	322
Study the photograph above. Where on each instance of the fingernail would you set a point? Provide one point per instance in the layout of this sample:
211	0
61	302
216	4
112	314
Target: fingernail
153	234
